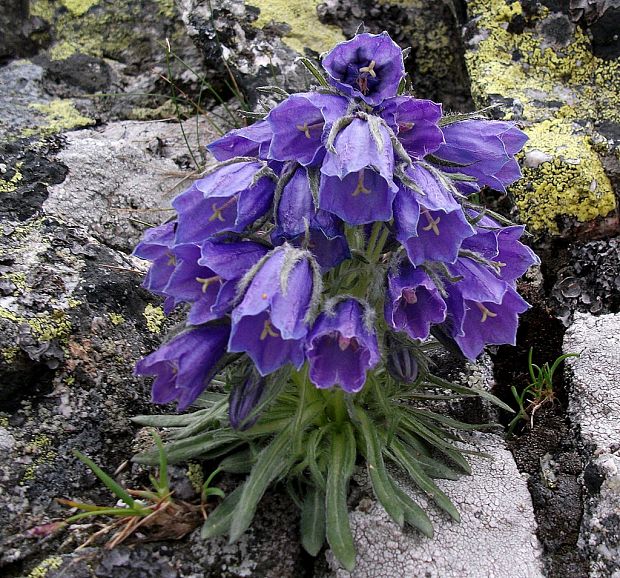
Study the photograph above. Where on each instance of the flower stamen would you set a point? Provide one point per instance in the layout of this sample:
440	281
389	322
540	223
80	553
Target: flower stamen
217	211
267	330
206	281
360	186
370	69
306	128
172	260
432	223
409	294
485	312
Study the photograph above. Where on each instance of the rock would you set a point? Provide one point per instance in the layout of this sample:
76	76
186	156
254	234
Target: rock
496	535
120	176
540	69
594	407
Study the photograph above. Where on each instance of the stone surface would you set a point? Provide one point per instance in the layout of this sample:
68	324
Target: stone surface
532	61
119	177
594	409
496	536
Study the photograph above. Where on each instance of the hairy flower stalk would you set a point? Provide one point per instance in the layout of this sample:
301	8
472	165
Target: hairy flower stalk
331	247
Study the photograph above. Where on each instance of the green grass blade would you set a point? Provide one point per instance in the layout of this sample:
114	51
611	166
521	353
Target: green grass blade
437	381
272	462
312	523
338	529
219	520
111	484
313	70
164	482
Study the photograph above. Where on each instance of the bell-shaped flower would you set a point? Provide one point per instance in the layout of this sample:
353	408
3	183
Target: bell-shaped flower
244	397
296	211
185	365
514	257
483	149
369	66
228	199
249	141
299	124
269	324
357	178
413	302
341	348
487	323
156	246
414	121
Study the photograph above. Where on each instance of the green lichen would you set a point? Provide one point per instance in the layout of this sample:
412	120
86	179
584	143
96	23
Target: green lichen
573	183
307	31
44	326
9	185
4	421
44	567
10	354
154	318
18	279
41	448
60	115
62	50
78	7
116	318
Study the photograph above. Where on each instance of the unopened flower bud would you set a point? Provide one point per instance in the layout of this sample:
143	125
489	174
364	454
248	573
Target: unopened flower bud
242	400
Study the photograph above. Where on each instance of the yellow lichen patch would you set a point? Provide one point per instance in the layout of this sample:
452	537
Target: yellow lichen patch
62	50
515	66
41	448
44	567
48	326
60	115
154	318
195	476
116	318
9	354
307	31
10	184
573	183
78	7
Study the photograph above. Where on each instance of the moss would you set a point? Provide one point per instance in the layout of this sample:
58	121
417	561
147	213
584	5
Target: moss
44	567
116	318
573	183
307	31
9	185
196	476
60	115
154	318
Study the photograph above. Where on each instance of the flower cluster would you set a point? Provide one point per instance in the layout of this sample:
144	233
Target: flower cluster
342	218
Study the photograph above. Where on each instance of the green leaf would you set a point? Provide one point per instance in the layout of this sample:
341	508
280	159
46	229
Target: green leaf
111	484
213	492
340	468
272	462
450	422
121	512
432	467
219	520
424	482
206	417
238	463
165	420
313	521
414	515
434	380
163	465
313	70
376	468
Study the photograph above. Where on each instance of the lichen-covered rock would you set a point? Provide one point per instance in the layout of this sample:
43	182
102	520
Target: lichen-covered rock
496	535
594	408
539	67
123	177
256	43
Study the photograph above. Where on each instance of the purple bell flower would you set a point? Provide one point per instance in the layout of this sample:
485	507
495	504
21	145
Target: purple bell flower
369	66
270	322
413	302
250	141
243	398
341	348
156	246
515	257
186	364
299	123
228	199
357	179
486	149
415	123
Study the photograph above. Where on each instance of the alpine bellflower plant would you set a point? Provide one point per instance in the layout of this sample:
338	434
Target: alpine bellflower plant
335	242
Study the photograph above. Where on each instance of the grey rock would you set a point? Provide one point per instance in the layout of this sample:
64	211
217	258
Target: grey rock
496	535
594	407
120	176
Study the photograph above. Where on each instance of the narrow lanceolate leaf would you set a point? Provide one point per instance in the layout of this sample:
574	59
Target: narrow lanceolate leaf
272	462
219	520
414	515
432	467
239	463
338	530
423	481
313	521
376	468
112	485
313	70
